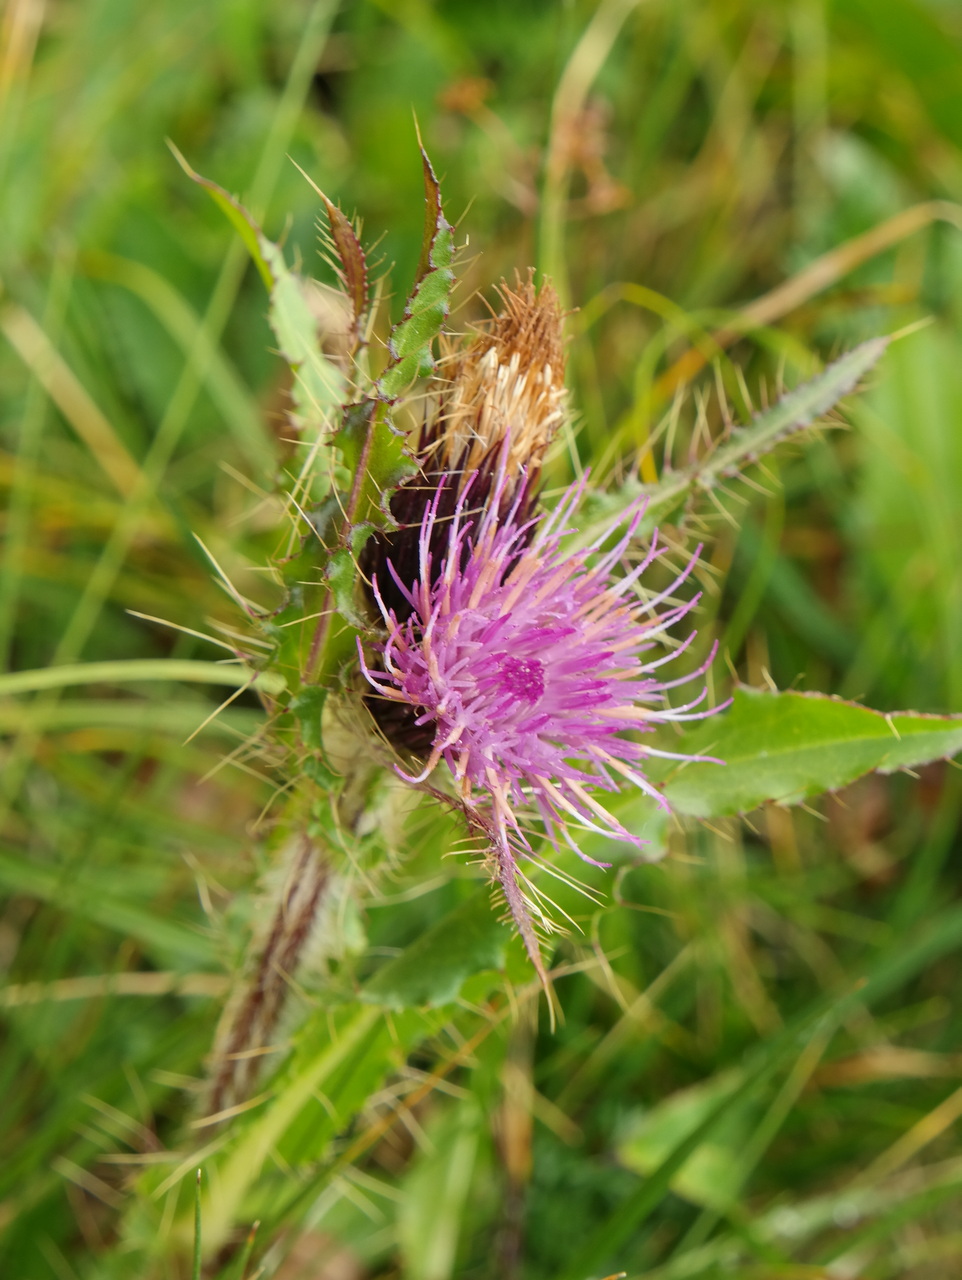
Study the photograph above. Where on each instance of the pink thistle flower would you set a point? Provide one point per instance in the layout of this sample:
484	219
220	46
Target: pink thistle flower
529	668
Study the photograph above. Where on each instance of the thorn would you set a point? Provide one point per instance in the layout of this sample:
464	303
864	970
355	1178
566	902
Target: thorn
911	328
743	387
723	408
767	677
216	712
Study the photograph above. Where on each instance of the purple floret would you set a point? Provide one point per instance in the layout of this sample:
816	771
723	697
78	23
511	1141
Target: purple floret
530	667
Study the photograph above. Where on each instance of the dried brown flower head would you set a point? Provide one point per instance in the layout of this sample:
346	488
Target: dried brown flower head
509	379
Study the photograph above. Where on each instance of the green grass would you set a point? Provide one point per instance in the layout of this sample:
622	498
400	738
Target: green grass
756	1070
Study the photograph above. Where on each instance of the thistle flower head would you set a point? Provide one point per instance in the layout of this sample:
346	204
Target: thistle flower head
530	671
496	405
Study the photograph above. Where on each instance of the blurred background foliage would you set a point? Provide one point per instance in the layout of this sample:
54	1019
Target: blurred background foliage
666	164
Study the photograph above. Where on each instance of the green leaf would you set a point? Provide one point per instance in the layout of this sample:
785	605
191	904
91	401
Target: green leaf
236	214
350	1082
909	955
436	1191
136	716
341	1058
319	386
373	451
308	708
93	896
787	747
432	970
341	573
373	454
796	410
320	773
649	1137
124	672
241	1165
428	305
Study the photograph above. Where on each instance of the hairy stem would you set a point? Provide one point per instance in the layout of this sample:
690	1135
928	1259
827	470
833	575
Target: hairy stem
250	1029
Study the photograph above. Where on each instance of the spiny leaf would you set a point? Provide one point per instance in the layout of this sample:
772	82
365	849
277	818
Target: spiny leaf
237	215
786	747
341	574
374	453
353	261
433	215
293	628
307	708
319	386
429	302
321	576
795	410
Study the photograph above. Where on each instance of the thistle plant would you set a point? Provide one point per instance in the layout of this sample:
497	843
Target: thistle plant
447	628
517	665
754	1073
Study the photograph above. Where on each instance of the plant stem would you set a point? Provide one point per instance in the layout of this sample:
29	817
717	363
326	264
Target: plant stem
251	1027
